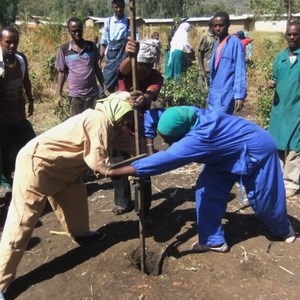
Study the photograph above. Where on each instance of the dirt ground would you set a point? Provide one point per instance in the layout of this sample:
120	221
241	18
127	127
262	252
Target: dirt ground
54	267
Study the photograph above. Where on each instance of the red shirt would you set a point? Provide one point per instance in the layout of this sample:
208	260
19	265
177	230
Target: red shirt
245	42
152	83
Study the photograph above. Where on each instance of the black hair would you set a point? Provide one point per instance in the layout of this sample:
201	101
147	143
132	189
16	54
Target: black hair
11	29
75	20
118	1
293	23
224	15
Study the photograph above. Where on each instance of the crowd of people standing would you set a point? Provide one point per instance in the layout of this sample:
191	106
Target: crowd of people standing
100	130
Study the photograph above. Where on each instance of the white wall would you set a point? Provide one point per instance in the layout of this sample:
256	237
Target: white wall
269	26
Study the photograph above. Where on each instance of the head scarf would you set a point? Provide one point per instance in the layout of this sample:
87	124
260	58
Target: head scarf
180	40
148	51
177	121
115	106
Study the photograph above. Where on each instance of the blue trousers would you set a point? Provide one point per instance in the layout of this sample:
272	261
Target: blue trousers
265	191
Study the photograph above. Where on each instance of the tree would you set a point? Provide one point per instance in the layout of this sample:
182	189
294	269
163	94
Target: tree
273	8
8	11
160	8
288	4
32	7
61	10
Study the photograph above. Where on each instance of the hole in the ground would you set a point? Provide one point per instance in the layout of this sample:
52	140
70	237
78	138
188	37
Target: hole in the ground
155	263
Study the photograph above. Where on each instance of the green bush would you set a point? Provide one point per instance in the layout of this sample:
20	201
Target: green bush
264	67
265	97
185	90
49	67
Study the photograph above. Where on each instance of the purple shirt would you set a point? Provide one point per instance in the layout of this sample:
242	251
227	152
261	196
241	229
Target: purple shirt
80	69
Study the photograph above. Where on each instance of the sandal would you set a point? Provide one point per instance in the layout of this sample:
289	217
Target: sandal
119	210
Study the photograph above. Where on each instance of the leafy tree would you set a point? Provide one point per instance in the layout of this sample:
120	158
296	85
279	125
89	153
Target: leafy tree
37	8
160	8
99	8
64	9
274	7
8	11
183	8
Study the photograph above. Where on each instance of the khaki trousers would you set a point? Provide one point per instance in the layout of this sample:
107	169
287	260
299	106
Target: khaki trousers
32	188
290	162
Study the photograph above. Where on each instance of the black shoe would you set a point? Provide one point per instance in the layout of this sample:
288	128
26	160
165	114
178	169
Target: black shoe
89	237
196	247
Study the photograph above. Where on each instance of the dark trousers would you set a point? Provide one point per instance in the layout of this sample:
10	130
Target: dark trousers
77	105
12	139
122	193
122	190
110	75
115	54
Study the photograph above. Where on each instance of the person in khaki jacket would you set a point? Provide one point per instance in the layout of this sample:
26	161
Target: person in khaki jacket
50	167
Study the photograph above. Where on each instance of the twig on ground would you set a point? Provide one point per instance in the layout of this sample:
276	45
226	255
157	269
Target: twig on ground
191	269
245	253
141	297
269	247
157	189
59	232
286	270
104	204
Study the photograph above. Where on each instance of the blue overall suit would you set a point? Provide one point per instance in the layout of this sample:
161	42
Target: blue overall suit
228	81
233	150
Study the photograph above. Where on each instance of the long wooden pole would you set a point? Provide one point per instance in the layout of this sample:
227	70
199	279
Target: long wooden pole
139	188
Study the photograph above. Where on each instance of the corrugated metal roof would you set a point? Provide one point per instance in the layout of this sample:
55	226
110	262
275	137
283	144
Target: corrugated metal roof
170	20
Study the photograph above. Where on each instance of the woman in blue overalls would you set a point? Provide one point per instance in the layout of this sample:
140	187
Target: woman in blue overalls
233	150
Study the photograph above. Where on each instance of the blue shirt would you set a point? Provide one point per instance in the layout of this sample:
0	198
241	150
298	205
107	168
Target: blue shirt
228	81
151	118
115	29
